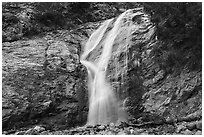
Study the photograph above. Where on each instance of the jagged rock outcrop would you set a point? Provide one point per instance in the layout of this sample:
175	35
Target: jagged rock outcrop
151	90
43	80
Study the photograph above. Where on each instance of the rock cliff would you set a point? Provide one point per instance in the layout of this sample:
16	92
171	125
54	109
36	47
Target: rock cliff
43	81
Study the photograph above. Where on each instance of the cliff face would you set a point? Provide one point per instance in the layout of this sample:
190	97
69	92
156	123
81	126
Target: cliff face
172	95
43	81
42	77
150	90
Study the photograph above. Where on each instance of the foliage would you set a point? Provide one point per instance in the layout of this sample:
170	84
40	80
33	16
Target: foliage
22	19
179	30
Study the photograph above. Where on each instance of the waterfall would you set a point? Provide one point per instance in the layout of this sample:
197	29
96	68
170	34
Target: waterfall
103	103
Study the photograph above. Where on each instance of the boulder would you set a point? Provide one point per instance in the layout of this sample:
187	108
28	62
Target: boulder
199	125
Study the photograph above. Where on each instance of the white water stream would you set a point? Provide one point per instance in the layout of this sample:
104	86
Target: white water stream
103	104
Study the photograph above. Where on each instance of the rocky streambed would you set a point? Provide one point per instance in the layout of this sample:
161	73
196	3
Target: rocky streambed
183	128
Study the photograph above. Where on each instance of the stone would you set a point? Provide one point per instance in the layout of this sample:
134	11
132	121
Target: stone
198	132
92	132
44	133
199	125
20	133
191	125
132	131
144	133
121	133
101	127
180	128
111	125
187	132
140	130
86	133
30	131
39	128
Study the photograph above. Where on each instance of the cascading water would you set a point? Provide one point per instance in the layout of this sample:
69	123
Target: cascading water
103	104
